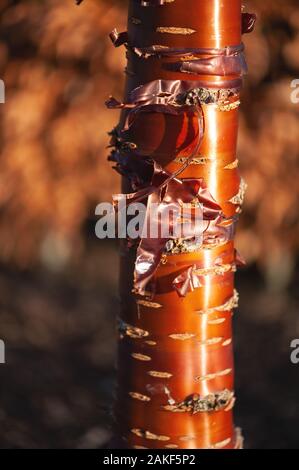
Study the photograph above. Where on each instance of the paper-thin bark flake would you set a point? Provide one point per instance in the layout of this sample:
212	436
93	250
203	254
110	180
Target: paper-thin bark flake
213	375
139	396
159	374
149	435
175	30
197	404
141	357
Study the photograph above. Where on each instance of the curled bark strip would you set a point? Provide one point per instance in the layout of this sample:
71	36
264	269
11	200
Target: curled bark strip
150	250
227	306
171	401
238	199
240	261
170	97
175	30
197	404
149	435
233	165
118	39
248	22
187	282
132	331
230	405
217	65
159	375
223	55
166	190
227	342
141	357
239	440
139	396
193	278
213	376
221	445
232	303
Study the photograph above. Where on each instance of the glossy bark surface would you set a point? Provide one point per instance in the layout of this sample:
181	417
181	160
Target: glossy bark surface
186	347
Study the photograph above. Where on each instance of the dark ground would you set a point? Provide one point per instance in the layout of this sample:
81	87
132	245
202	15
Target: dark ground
267	382
57	384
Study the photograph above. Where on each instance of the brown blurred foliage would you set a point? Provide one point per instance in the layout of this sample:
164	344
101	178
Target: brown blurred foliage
59	67
269	141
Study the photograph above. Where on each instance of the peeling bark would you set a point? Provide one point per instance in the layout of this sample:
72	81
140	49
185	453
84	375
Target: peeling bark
179	123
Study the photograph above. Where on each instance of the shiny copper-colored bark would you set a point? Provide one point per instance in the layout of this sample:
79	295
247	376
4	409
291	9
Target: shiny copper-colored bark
184	344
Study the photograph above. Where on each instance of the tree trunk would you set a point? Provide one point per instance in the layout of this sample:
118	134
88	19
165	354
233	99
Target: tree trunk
175	355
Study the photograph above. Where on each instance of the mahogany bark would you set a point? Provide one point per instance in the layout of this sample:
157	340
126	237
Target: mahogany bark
175	354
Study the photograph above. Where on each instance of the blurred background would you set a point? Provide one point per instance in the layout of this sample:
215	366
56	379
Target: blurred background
58	283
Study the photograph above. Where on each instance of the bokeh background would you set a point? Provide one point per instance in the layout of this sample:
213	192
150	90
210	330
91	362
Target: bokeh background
58	283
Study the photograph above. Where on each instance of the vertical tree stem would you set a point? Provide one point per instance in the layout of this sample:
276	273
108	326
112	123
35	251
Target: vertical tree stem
175	357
